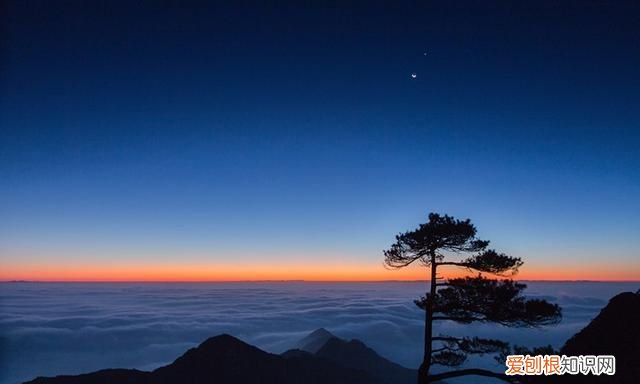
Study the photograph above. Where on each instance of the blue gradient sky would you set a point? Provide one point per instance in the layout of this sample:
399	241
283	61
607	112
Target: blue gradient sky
140	133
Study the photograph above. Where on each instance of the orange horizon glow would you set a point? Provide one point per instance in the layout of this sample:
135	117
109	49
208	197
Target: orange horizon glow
330	272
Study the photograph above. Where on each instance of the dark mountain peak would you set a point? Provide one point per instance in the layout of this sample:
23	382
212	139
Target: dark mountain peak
224	342
321	332
615	331
222	356
625	298
357	355
218	348
222	338
615	326
314	341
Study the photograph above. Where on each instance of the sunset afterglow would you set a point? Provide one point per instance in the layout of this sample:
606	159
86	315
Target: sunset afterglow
260	272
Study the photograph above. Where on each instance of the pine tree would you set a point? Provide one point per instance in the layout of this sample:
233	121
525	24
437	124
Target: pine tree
447	242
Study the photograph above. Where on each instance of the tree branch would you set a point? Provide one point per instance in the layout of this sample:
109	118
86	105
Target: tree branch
467	319
446	338
398	263
457	264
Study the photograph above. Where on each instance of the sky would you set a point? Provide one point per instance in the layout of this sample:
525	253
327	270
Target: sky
213	141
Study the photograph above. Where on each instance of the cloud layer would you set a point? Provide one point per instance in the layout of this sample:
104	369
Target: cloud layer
55	328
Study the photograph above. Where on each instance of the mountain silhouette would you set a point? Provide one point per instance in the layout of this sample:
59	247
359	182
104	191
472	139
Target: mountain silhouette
355	354
226	360
615	331
352	354
314	341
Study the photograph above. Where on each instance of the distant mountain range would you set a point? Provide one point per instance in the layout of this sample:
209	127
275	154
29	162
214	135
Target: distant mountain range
322	358
319	358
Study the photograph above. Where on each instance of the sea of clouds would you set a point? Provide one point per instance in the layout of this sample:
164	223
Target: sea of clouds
54	328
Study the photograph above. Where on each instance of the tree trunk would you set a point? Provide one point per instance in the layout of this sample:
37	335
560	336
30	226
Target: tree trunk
423	374
423	371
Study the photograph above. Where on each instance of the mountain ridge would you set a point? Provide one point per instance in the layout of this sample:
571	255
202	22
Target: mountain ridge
614	331
226	359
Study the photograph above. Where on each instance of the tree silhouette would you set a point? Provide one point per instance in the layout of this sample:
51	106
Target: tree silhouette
445	241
